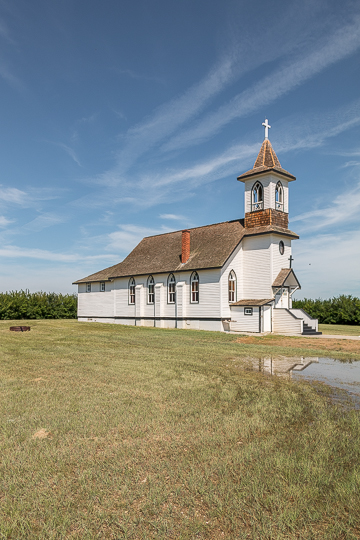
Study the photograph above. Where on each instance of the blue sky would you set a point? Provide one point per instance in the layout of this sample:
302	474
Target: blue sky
124	119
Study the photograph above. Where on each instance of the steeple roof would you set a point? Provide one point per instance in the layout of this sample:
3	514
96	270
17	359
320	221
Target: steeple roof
266	161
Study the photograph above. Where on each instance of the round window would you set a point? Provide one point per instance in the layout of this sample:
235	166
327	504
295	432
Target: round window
281	247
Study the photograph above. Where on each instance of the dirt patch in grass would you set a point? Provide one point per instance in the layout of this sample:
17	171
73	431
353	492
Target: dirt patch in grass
41	434
344	345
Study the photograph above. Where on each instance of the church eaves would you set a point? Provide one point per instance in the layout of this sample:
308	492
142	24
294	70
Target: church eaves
266	161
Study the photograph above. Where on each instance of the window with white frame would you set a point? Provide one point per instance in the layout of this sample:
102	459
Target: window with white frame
194	287
279	197
88	287
151	290
102	286
132	291
171	289
257	202
248	311
232	286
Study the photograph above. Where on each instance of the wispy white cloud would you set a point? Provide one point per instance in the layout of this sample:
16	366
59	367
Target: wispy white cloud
335	47
70	151
119	114
85	120
176	183
168	117
174	217
344	210
128	236
140	76
328	263
204	172
15	252
5	32
44	221
13	196
4	222
351	164
29	198
312	130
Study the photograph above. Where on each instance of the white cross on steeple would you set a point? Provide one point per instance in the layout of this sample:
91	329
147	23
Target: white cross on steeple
267	126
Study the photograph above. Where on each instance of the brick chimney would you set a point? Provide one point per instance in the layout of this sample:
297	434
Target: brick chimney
185	246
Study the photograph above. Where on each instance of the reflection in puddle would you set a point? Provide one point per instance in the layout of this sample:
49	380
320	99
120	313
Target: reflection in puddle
342	375
283	366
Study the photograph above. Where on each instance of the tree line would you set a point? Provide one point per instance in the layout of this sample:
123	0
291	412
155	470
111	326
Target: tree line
38	305
340	310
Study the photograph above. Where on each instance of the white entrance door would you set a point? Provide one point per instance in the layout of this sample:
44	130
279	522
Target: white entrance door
282	298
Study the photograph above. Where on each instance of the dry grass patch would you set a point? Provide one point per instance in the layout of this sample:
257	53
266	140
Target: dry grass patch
41	434
327	344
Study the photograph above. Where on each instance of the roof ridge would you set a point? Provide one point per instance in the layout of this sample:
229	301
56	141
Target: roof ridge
193	228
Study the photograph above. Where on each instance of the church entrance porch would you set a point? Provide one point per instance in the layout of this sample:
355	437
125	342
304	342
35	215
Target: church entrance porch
282	298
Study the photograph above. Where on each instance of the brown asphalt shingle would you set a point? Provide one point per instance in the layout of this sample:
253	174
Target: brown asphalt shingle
282	277
267	160
252	302
210	247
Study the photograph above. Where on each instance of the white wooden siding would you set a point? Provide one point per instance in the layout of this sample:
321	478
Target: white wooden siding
244	323
209	295
139	300
256	267
279	261
314	323
115	302
285	323
285	184
235	263
96	304
121	300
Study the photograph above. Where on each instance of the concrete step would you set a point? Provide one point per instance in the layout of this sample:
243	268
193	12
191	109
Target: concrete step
309	331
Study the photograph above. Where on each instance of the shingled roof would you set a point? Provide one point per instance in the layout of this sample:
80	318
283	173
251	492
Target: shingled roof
266	161
252	302
210	247
283	276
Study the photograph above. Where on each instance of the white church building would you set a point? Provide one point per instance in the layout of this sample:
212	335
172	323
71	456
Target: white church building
230	276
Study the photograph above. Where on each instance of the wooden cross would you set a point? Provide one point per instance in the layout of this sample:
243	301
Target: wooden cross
291	260
267	126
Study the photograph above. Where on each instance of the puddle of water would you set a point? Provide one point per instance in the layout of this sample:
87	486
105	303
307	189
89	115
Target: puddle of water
344	376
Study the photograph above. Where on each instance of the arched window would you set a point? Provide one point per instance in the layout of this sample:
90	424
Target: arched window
194	287
279	197
132	291
151	291
232	286
257	202
171	289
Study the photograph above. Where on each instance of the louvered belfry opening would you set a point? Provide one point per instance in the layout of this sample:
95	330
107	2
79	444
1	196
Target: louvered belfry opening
185	246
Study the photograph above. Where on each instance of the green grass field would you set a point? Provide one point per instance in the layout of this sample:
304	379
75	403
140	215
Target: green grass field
113	432
340	329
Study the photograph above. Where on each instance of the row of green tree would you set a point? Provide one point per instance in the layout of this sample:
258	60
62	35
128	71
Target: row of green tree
38	305
340	310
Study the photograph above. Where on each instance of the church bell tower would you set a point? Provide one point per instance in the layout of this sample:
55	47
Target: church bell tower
266	189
